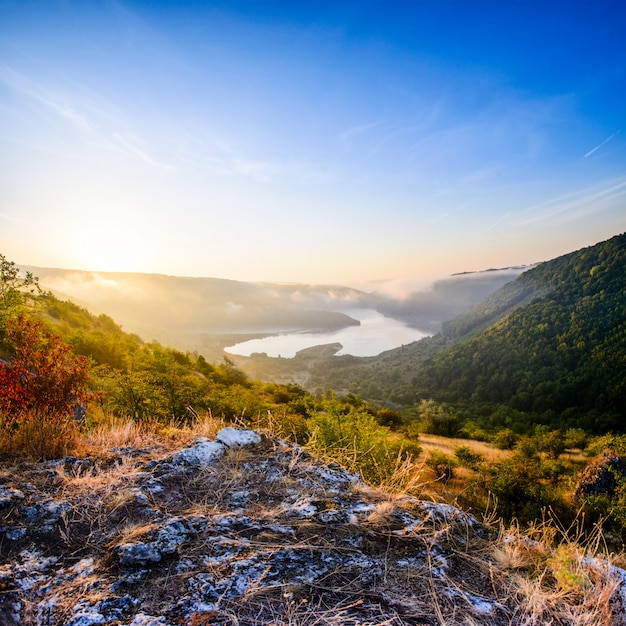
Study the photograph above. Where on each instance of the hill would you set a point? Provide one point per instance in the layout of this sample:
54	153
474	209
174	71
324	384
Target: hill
447	298
243	528
547	347
204	314
554	345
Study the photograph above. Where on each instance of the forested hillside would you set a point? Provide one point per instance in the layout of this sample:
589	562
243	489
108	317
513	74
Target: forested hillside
559	357
549	347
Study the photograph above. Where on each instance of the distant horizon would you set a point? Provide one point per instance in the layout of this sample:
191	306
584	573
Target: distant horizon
424	280
324	143
421	278
417	279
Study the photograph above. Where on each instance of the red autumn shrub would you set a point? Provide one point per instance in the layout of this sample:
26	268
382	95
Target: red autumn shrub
40	385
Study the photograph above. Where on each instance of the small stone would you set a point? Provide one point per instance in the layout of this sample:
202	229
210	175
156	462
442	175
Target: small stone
137	553
148	620
9	496
15	534
237	437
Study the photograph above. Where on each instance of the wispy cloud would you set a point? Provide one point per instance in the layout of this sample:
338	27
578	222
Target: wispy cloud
438	218
349	135
593	150
219	159
93	124
497	221
405	131
580	203
9	218
131	146
259	170
374	136
35	91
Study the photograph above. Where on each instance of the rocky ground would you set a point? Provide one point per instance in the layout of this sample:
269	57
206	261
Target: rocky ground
247	529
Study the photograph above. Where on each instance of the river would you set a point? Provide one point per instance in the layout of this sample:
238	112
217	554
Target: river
374	335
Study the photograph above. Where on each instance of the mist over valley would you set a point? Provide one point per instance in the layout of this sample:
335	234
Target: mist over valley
207	315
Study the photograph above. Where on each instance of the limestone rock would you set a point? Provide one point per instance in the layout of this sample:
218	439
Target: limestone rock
246	529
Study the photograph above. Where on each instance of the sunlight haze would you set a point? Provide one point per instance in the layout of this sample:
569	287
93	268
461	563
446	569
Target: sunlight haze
309	141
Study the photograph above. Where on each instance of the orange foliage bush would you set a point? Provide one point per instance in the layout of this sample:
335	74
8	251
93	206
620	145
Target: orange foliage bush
40	386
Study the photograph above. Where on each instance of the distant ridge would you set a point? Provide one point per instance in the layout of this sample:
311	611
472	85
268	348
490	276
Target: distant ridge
447	297
207	314
523	268
153	305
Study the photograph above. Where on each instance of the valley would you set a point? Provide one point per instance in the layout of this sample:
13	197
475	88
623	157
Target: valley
510	417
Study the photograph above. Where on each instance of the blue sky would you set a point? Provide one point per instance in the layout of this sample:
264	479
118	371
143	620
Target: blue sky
309	141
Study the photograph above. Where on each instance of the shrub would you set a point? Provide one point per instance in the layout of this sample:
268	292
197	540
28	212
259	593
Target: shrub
467	458
505	439
41	384
526	448
518	496
352	436
388	417
441	464
576	438
552	442
436	420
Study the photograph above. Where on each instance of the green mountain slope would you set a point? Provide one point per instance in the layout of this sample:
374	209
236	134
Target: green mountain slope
548	347
554	346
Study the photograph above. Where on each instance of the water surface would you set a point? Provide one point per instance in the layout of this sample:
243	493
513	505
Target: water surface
375	334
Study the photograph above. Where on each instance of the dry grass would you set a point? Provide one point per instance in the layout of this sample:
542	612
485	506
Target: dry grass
406	477
413	476
114	433
39	436
383	515
103	482
119	433
556	576
549	574
446	444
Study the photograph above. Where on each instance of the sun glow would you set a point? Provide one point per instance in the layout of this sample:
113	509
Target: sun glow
110	248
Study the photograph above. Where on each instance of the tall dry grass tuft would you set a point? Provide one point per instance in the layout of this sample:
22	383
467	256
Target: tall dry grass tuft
120	433
181	433
206	425
558	574
114	432
39	437
405	477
